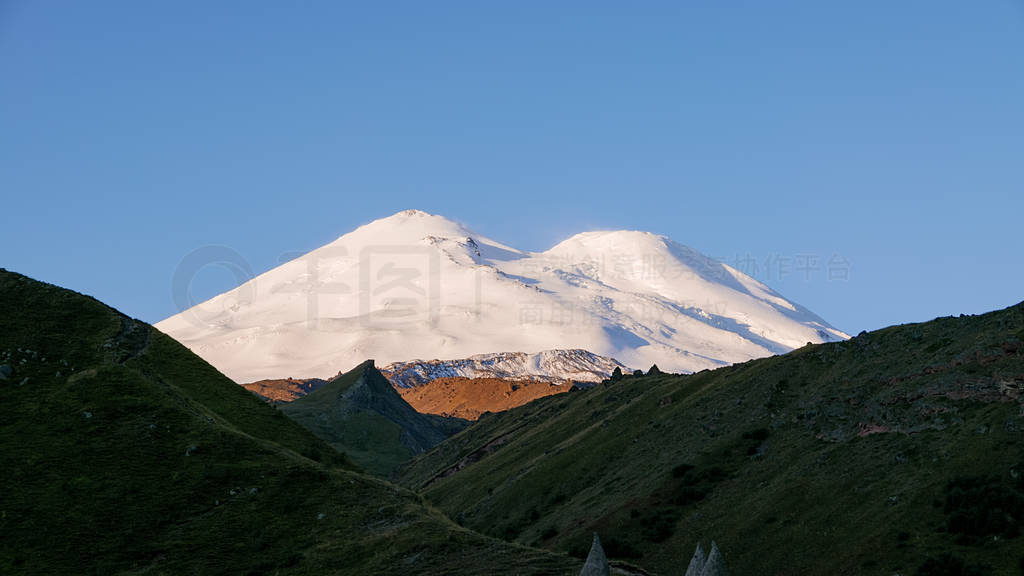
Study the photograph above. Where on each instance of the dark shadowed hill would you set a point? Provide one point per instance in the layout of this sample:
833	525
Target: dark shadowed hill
898	451
361	414
121	452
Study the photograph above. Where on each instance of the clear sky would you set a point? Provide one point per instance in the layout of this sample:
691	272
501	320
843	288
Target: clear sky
886	134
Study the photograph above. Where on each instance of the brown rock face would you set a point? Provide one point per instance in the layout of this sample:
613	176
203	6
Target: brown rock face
459	397
284	389
468	398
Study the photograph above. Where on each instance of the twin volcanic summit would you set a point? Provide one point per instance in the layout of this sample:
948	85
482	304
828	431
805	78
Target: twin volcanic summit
416	286
122	452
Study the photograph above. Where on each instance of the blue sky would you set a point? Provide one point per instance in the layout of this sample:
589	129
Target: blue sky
889	135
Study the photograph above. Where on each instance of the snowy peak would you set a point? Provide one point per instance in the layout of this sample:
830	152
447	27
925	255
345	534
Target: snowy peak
597	242
418	285
409	224
416	228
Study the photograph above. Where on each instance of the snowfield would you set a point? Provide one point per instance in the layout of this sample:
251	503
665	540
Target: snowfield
419	286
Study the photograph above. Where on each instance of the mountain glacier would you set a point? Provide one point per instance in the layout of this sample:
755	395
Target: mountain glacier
420	286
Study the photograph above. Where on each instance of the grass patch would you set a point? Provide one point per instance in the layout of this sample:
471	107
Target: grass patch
978	507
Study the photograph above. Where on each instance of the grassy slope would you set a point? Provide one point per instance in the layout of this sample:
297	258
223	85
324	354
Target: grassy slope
787	475
121	452
360	413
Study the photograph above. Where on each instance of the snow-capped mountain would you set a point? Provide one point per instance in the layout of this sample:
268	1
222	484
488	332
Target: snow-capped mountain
420	286
558	366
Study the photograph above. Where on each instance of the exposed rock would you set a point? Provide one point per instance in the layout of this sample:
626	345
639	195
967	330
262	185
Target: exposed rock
284	390
696	566
554	366
578	386
597	562
470	397
6	372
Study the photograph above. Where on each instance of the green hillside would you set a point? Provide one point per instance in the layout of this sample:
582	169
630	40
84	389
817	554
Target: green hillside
361	414
899	451
121	452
